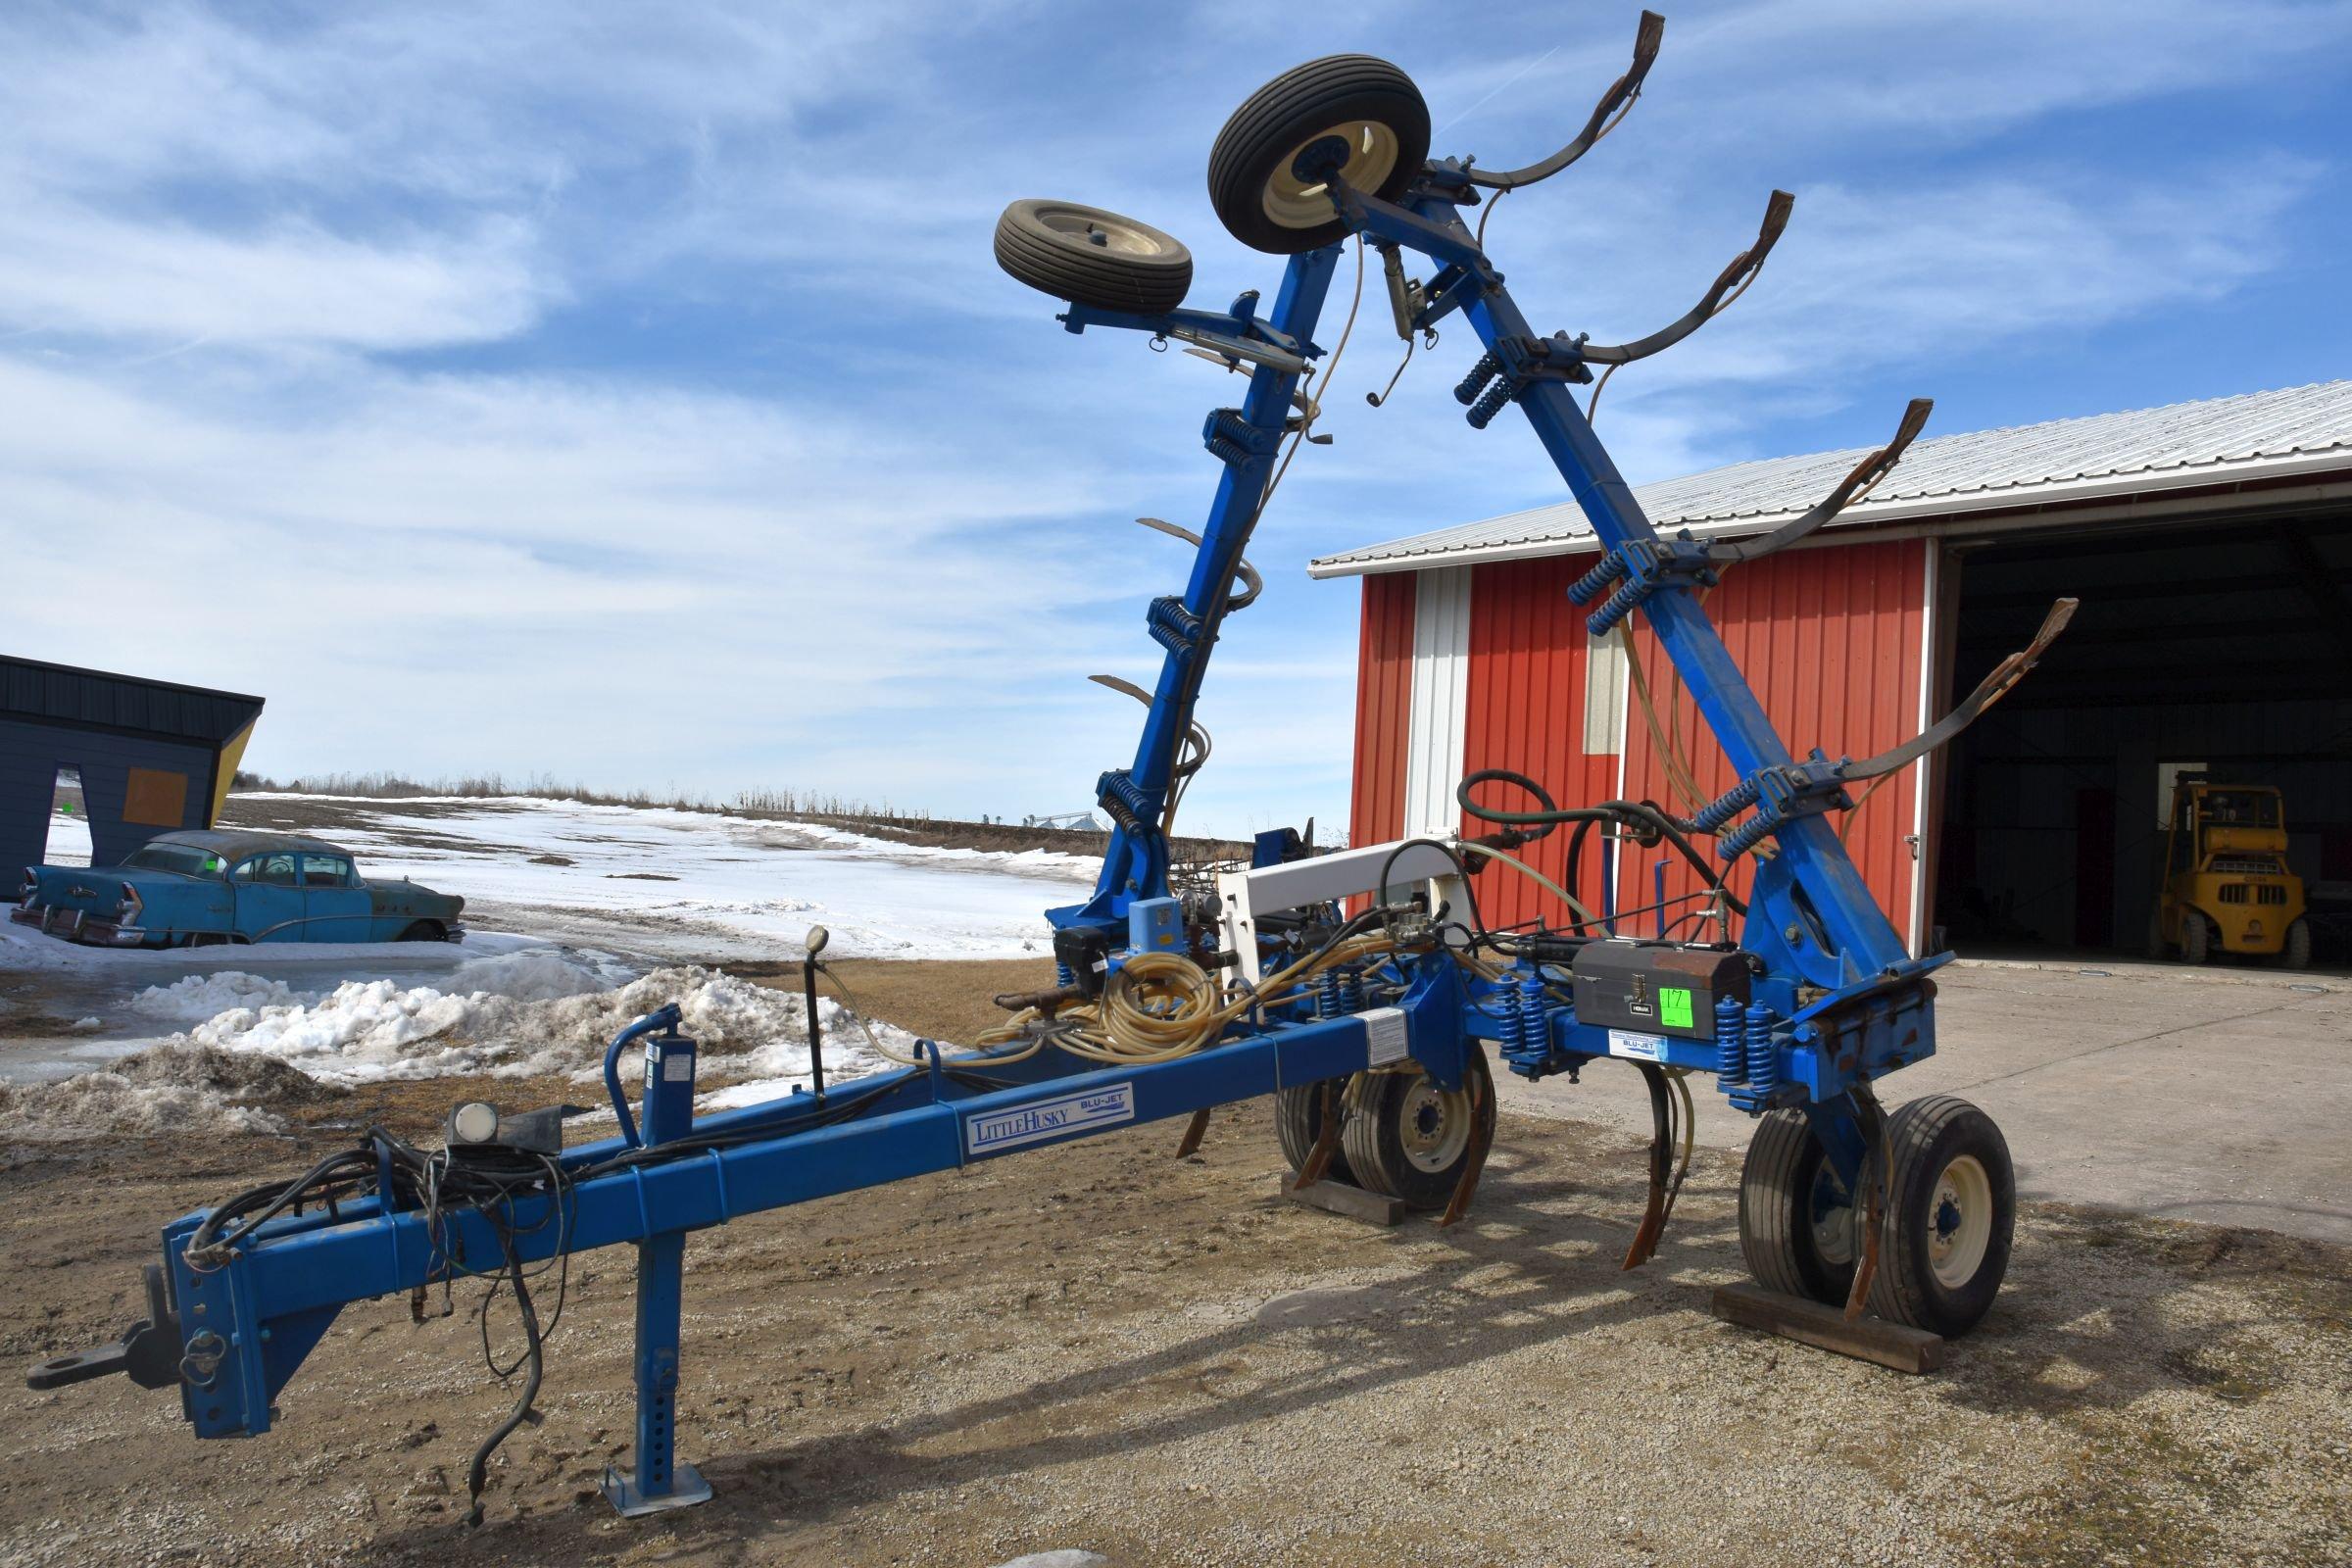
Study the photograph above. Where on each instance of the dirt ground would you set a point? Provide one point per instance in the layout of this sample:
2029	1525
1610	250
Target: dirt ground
1100	1347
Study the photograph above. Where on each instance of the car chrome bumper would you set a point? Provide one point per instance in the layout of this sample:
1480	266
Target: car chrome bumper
79	925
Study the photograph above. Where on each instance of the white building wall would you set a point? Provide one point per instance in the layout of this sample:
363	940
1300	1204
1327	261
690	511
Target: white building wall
1441	699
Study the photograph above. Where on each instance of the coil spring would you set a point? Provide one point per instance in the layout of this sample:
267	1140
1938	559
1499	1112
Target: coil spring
1064	976
1486	408
1587	588
1351	990
1326	995
1738	797
1763	1061
1731	1041
1749	834
1535	1034
1488	366
1619	605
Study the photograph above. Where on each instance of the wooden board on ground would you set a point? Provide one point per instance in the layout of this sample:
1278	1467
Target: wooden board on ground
1341	1199
1868	1339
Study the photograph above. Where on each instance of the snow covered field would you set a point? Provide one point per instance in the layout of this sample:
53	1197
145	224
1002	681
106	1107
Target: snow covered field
580	917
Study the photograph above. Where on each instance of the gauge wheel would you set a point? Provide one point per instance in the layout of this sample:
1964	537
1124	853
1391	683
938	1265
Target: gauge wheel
2297	954
2196	938
1950	1216
1298	1123
1089	257
1368	112
1797	1219
1408	1139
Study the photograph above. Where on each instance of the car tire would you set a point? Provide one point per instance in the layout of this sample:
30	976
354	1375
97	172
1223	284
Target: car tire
424	931
1094	258
1951	1218
1795	1236
1298	1123
1365	100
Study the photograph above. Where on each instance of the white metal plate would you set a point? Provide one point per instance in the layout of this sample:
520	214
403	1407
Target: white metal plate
1639	1047
1387	1036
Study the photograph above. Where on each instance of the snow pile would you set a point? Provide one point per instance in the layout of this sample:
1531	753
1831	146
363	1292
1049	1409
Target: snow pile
532	1014
208	996
171	1089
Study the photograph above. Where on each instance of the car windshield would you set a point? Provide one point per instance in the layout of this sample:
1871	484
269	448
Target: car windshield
2241	809
183	860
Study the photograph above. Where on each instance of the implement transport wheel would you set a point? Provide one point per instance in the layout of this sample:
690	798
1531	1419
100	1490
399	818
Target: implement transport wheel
1354	113
1089	257
1797	1219
1298	1123
1950	1214
1405	1137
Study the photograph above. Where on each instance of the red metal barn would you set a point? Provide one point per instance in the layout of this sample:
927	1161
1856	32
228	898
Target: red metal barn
2211	544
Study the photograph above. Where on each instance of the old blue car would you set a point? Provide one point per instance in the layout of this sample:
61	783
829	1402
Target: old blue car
186	889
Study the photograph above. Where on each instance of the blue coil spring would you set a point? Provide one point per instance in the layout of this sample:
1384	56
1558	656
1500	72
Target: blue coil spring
1588	588
1063	975
1738	797
1619	605
1326	995
1351	990
1731	1041
1751	834
1228	451
1763	1061
1483	411
1514	1028
1488	366
1534	1033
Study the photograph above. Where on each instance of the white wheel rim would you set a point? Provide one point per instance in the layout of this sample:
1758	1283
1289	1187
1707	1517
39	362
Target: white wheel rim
1434	1125
1960	1221
1295	203
1093	228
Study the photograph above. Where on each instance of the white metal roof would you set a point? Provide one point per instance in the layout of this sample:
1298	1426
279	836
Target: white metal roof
2258	435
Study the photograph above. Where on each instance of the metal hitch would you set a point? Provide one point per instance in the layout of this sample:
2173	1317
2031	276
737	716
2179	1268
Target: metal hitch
150	1355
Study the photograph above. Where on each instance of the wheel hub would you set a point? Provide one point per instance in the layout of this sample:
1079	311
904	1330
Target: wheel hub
1361	151
1434	1125
1960	1220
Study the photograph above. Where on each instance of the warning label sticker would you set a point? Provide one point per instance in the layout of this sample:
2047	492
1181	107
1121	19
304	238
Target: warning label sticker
1389	1036
1641	1048
1674	1007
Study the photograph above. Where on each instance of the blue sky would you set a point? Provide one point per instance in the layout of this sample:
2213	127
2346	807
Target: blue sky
628	393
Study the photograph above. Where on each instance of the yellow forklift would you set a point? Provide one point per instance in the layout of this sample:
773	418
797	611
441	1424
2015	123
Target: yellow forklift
2226	887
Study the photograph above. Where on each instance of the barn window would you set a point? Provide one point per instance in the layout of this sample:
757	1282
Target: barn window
1604	695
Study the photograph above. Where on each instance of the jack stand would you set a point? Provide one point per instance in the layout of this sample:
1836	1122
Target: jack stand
658	1480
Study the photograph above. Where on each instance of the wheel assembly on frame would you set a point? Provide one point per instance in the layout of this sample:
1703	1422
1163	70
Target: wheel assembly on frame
1092	257
1354	117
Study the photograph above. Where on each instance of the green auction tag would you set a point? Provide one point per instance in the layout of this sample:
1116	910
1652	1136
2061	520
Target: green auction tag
1674	1007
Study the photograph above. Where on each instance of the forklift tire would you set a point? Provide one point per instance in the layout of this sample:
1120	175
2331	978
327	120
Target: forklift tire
1797	1220
2196	938
1951	1218
1298	1123
1405	1137
2297	954
1094	258
1370	105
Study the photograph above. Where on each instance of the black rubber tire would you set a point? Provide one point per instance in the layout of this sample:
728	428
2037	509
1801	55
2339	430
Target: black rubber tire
1927	1136
424	931
1298	1123
1780	1185
1374	1134
1268	131
2196	938
1092	257
2297	954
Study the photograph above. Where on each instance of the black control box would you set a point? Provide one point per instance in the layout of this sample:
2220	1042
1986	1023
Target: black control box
1657	988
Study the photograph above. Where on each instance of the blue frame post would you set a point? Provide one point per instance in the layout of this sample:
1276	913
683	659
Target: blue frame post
658	1480
1246	440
